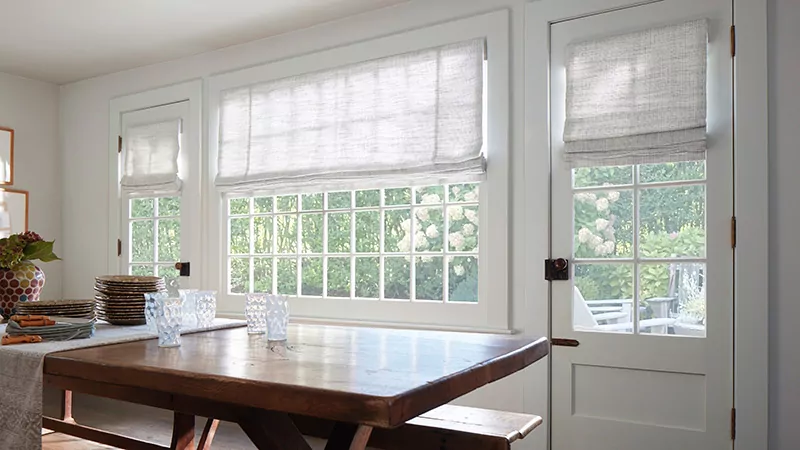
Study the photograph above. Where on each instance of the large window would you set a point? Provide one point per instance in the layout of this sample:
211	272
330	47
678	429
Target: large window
369	182
389	244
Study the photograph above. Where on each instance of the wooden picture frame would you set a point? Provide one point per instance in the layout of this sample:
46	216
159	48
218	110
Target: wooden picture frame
6	156
13	211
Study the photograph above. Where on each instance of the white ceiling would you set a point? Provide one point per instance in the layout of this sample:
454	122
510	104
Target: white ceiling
67	40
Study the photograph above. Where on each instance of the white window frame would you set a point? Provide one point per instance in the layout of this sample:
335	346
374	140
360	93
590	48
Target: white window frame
491	313
190	172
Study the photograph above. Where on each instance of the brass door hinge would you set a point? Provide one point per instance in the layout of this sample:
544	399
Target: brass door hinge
733	41
733	424
119	144
119	247
733	232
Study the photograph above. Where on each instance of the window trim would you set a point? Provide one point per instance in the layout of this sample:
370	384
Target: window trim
492	313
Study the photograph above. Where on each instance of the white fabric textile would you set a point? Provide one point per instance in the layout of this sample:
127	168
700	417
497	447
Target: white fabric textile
409	118
151	158
21	377
637	98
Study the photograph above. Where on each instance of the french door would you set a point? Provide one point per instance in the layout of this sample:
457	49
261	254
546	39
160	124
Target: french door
649	301
161	230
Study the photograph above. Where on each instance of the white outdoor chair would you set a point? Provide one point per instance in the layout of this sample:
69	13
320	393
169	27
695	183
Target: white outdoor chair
584	319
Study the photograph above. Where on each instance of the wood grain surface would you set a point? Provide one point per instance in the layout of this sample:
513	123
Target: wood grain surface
375	377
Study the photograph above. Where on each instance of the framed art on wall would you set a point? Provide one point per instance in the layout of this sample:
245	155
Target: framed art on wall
13	212
6	156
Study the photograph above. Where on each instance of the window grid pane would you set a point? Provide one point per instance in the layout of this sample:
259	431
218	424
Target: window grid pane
154	230
640	248
380	244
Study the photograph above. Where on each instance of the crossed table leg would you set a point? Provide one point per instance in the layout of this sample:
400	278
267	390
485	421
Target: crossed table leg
268	430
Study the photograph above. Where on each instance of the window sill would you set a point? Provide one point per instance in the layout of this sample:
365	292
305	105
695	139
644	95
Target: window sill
375	324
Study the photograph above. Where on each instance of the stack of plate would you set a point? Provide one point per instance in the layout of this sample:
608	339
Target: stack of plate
120	298
65	329
80	309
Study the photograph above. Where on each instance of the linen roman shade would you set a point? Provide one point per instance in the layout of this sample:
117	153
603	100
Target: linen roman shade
406	119
638	97
151	158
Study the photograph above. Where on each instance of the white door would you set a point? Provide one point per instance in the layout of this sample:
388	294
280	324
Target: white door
160	230
650	294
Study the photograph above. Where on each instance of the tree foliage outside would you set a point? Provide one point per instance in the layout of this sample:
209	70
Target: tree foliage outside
412	228
672	224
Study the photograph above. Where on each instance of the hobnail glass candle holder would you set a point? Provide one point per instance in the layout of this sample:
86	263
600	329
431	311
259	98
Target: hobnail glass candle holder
151	310
189	307
255	311
277	317
169	318
205	308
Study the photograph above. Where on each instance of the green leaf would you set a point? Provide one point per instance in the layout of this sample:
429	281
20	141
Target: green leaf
41	250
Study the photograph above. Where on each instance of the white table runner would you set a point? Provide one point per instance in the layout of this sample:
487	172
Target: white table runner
21	376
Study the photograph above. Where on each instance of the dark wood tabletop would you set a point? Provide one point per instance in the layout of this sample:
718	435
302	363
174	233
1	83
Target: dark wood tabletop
370	376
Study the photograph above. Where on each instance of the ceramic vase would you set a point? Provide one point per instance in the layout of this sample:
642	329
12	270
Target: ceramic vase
22	283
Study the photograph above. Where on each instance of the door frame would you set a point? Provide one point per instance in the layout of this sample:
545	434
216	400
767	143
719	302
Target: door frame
191	91
751	304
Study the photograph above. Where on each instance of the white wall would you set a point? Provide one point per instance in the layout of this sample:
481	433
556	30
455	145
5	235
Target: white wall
84	143
31	109
784	218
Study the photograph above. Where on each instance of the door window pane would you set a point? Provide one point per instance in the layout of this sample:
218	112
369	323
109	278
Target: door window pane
603	298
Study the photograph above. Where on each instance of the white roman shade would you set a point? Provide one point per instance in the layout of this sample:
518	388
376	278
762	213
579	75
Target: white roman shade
637	98
151	158
406	119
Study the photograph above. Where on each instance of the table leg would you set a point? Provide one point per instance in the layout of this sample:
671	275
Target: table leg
208	434
273	431
66	406
182	432
346	436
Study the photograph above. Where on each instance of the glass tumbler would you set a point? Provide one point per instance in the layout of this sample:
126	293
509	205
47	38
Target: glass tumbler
151	309
277	317
169	315
189	307
205	308
255	311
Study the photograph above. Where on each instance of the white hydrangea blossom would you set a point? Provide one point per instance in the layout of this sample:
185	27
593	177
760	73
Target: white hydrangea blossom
471	196
595	241
471	215
432	232
459	270
455	190
429	199
613	196
605	248
586	197
406	225
601	224
404	244
456	241
468	229
423	214
584	235
455	212
602	204
420	241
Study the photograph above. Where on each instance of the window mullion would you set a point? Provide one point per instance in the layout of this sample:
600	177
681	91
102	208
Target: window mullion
274	245
155	236
413	245
324	246
252	250
445	247
298	247
382	248
352	245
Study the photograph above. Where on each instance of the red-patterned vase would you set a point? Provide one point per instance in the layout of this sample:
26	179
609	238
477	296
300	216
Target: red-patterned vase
23	283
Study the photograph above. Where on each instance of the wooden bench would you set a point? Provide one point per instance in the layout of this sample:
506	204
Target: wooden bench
447	427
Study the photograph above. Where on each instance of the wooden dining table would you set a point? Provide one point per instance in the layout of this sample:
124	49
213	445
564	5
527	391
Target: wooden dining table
355	377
